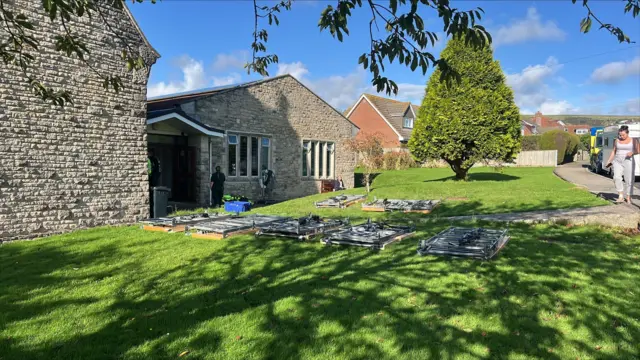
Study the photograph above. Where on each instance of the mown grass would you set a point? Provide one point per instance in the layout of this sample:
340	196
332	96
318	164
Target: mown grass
488	192
121	293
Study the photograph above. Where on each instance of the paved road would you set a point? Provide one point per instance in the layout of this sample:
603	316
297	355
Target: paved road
579	174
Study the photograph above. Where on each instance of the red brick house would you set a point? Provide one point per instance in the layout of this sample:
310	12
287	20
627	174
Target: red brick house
527	128
392	119
544	124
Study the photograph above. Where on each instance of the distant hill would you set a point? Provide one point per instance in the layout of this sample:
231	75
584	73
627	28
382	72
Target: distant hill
593	120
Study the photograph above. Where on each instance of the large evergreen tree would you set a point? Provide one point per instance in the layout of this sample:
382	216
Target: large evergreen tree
470	120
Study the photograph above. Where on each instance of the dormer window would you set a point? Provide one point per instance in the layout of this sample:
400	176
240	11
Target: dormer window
407	123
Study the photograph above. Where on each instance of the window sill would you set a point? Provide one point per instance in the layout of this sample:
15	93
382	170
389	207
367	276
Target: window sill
315	178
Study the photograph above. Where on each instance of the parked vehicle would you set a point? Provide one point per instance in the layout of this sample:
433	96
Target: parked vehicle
608	137
594	150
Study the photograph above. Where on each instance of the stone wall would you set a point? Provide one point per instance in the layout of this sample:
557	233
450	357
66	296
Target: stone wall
288	113
85	164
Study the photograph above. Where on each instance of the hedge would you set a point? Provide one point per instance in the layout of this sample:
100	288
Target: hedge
566	144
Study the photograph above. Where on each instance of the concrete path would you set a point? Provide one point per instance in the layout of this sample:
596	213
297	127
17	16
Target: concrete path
620	216
579	174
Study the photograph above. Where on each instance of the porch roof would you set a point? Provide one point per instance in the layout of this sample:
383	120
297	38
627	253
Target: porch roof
180	120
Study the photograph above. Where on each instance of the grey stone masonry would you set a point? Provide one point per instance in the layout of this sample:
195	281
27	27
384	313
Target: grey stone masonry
85	164
288	113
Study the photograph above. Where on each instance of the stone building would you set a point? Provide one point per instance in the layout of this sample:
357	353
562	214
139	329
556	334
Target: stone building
85	164
277	124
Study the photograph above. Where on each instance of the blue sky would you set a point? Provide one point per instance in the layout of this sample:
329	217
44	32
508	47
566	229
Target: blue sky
550	65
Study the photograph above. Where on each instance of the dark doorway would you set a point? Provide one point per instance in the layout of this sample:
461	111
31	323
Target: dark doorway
178	163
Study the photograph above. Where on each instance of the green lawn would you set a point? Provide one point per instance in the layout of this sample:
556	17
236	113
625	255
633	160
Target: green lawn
554	292
514	190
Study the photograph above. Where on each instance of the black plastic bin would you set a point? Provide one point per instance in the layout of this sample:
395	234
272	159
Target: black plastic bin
159	201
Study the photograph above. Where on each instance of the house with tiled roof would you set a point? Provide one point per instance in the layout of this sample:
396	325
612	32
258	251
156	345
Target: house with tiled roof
544	124
390	118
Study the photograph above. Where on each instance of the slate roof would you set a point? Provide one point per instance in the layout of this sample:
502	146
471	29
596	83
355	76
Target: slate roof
173	101
158	113
393	111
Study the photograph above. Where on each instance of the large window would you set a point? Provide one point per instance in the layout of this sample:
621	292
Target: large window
248	155
318	159
265	154
408	123
244	155
254	156
233	150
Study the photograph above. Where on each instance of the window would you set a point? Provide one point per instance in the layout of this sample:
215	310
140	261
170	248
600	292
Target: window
312	168
254	156
264	154
318	159
305	154
599	141
606	142
247	155
233	147
408	123
244	152
329	149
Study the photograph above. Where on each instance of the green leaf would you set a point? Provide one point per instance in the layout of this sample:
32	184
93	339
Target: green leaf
585	24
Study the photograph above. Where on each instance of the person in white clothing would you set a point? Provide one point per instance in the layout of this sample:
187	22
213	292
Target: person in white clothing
624	148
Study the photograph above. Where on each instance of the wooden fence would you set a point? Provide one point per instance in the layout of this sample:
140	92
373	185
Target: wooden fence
536	158
541	158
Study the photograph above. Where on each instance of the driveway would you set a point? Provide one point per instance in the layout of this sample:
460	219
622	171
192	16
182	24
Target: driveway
579	174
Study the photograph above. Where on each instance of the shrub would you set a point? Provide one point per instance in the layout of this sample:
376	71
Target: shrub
566	144
585	142
397	160
465	122
531	143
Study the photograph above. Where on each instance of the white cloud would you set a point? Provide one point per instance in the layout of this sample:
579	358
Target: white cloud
232	78
561	107
342	91
235	60
615	72
297	69
193	77
529	85
411	92
527	29
630	107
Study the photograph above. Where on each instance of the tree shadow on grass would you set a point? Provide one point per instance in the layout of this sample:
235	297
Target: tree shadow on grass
276	298
485	176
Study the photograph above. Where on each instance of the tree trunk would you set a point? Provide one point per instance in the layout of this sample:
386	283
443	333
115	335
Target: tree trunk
461	172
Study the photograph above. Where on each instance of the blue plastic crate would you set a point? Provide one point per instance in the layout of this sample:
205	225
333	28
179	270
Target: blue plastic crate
237	206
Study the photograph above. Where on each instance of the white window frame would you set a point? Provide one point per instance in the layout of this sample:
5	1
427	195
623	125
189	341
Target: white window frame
328	164
261	138
405	120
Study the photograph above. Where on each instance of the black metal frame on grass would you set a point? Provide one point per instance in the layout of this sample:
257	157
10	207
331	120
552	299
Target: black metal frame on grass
478	243
302	228
374	235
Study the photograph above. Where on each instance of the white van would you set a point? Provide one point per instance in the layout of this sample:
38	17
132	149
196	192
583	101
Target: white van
608	137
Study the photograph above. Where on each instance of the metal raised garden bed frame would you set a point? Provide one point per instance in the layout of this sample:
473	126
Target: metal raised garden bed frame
178	223
406	206
235	225
374	235
303	228
478	243
340	201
